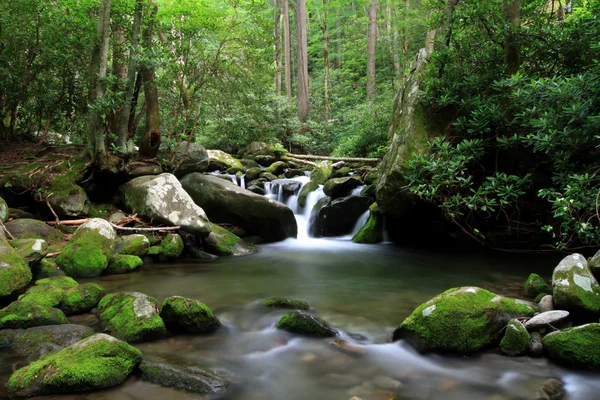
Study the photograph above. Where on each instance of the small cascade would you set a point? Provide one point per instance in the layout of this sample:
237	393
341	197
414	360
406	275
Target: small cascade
233	179
243	181
356	191
360	222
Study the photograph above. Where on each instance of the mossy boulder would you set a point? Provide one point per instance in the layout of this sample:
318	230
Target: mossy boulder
594	264
123	264
171	246
65	282
20	315
337	217
3	210
162	199
575	288
341	187
82	298
460	320
96	362
89	250
575	347
44	295
32	250
305	324
14	270
188	315
36	342
321	173
46	268
221	161
133	245
370	177
305	191
224	243
69	199
372	231
516	339
277	168
194	160
253	174
292	173
536	285
342	172
131	316
284	302
33	229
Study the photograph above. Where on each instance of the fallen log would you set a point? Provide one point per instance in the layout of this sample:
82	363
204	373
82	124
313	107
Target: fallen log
76	222
299	161
328	158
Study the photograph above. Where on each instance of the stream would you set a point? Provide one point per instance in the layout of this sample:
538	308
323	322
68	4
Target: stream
364	291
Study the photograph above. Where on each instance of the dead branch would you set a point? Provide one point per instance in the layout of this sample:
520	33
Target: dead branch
50	255
157	229
299	161
348	159
52	209
11	237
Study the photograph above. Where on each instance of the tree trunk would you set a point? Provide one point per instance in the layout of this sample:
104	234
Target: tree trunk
302	61
512	52
371	50
278	47
98	66
151	140
287	47
125	135
119	70
338	27
392	42
325	60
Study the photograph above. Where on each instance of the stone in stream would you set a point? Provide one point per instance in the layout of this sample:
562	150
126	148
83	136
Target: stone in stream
372	231
133	245
34	343
46	268
321	172
545	319
44	295
15	273
192	379
65	282
535	285
546	303
96	362
337	217
516	339
341	187
224	243
461	320
131	316
170	247
305	324
284	302
32	250
188	315
305	191
82	298
551	389
21	315
575	347
277	168
536	348
124	264
576	289
3	210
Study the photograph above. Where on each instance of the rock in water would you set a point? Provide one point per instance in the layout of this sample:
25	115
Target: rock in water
460	320
284	302
21	315
162	198
341	187
575	288
65	282
14	270
225	202
181	314
221	161
34	343
305	324
516	339
133	245
535	285
124	264
89	251
82	298
131	316
337	217
44	295
575	347
372	231
96	362
170	247
224	243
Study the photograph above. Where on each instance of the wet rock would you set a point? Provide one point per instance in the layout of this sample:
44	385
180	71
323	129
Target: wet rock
289	186
348	347
221	161
123	264
321	173
225	243
265	160
131	316
46	268
575	347
188	315
32	250
34	343
82	298
170	247
65	282
341	173
535	285
536	348
546	303
292	173
44	295
134	245
386	382
372	231
575	288
551	389
248	163
33	229
96	362
341	187
277	168
21	315
461	320
163	199
70	201
89	250
545	319
196	159
284	302
253	174
305	324
337	217
370	177
306	190
14	270
516	339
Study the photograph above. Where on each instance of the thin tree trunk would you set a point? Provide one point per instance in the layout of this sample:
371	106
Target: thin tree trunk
151	140
325	60
132	124
119	70
98	66
392	47
278	47
302	61
371	50
338	28
287	47
430	40
512	52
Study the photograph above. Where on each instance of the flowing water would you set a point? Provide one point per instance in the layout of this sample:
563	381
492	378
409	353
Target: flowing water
364	291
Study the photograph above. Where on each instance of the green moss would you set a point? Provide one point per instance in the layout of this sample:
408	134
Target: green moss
306	190
276	168
82	298
342	172
46	269
134	245
539	297
321	173
573	297
535	285
64	282
123	264
224	243
305	324
171	246
93	363
516	339
44	295
14	270
20	314
189	315
575	347
284	302
85	256
372	231
371	177
131	316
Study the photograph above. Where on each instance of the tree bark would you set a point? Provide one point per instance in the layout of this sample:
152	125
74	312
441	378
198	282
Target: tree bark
151	140
371	50
302	61
98	66
512	51
119	70
338	26
325	60
278	54
287	47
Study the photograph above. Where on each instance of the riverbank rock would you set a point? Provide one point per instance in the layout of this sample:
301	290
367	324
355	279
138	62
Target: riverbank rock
21	315
89	250
224	243
32	250
131	316
516	339
44	295
170	247
284	302
225	202
337	217
461	320
33	229
65	282
305	324
372	231
195	160
341	187
575	288
70	201
575	347
96	362
221	161
14	270
34	343
132	245
192	379
124	264
163	199
3	210
536	285
82	298
188	315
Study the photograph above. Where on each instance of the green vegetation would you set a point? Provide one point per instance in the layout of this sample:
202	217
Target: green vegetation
64	282
516	339
20	314
181	314
123	264
305	324
575	347
44	295
284	302
536	285
82	298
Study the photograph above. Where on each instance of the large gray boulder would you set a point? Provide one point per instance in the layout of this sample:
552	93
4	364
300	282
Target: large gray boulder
187	158
575	288
70	201
33	229
163	199
225	202
14	270
221	161
337	217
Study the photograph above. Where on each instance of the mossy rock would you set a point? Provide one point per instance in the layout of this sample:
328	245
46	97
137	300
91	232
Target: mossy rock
65	282
32	250
46	268
123	264
96	362
82	298
221	161
321	173
171	246
188	315
253	174
340	187
224	243
292	173
575	289
14	270
535	285
68	199
36	342
277	168
88	252
133	245
461	320
516	339
575	347
372	231
305	324
369	191
305	191
44	295
3	210
342	172
131	316
284	302
33	229
20	315
371	176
